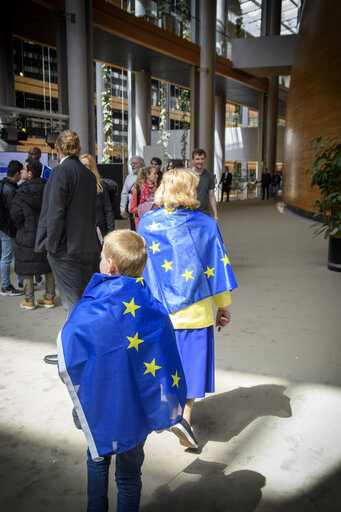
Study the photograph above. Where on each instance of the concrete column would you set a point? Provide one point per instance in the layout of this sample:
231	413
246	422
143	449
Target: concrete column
194	108
7	91
142	110
63	97
168	101
221	26
195	21
90	76
207	79
271	124
219	136
271	25
260	154
99	111
131	115
77	70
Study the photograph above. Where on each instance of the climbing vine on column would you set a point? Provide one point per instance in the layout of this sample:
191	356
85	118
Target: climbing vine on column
107	114
184	107
164	136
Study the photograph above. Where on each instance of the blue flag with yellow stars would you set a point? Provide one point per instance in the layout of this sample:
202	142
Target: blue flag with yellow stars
187	260
117	355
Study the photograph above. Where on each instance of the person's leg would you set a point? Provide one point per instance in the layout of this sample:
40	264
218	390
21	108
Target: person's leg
28	288
97	489
128	478
267	191
227	194
68	275
7	254
188	409
263	192
50	286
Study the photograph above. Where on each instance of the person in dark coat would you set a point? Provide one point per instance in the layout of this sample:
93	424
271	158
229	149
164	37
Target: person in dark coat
226	182
266	182
8	188
67	224
25	213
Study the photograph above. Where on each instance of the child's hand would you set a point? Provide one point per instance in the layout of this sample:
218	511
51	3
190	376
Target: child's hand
223	318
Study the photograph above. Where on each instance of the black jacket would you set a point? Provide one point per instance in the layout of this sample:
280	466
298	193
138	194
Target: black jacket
68	213
25	213
8	189
226	179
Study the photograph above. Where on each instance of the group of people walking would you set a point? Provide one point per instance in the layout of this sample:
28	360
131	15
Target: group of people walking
137	348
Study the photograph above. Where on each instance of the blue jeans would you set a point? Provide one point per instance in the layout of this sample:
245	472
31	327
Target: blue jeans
7	246
127	476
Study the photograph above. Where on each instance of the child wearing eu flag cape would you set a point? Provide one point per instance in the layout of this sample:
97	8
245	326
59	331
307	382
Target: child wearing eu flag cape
187	265
117	355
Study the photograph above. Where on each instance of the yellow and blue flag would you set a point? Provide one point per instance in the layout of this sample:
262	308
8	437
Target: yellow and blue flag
187	260
118	358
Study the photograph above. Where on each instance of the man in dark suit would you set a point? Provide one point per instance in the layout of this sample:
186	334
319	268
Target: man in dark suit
67	225
226	182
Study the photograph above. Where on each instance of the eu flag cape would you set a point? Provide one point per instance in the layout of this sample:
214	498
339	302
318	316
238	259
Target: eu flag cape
118	358
187	260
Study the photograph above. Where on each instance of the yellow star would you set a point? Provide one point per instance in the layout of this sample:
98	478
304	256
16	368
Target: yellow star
209	272
152	367
130	307
139	280
154	226
170	210
189	208
155	247
176	379
167	265
188	274
225	260
134	342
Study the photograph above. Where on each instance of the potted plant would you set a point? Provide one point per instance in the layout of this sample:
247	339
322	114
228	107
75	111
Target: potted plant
326	170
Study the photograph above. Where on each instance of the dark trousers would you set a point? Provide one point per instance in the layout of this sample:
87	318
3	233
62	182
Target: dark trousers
265	187
226	189
72	274
128	480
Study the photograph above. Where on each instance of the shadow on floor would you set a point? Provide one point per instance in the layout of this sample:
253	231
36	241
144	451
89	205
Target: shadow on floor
214	491
222	417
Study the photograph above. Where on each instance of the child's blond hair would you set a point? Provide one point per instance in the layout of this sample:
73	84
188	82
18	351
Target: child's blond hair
128	250
178	188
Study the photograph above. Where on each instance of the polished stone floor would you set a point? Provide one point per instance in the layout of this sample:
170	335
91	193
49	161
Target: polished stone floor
270	437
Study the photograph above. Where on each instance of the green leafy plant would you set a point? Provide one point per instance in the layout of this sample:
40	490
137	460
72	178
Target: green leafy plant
184	99
184	18
107	114
326	174
164	136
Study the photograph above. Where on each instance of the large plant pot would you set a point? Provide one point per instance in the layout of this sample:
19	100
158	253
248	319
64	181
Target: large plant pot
334	253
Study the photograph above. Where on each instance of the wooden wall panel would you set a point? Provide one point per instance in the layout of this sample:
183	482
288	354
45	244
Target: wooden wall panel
314	101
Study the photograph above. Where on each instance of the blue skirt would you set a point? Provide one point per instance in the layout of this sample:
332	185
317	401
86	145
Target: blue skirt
196	349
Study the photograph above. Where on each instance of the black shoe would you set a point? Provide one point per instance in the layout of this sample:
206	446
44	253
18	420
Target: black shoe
52	359
10	291
185	434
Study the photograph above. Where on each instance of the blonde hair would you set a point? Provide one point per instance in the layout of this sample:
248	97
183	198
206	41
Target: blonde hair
142	176
68	143
128	250
178	188
94	170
